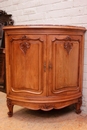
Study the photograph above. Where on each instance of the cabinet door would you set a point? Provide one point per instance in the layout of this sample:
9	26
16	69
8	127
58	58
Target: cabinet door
64	64
26	56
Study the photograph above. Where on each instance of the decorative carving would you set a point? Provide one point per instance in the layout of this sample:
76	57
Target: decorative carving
10	107
67	38
24	37
24	46
47	107
68	46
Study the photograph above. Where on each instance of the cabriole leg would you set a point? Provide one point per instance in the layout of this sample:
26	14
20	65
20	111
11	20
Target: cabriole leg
78	105
10	107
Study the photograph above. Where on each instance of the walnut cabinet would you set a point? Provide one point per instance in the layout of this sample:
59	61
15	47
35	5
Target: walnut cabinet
44	66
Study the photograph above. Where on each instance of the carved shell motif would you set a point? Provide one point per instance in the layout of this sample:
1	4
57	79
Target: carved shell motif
24	46
68	46
47	107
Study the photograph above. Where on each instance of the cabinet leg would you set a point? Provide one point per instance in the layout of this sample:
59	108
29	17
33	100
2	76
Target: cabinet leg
10	107
78	105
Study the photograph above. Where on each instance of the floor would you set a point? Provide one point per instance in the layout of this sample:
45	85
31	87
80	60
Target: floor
24	119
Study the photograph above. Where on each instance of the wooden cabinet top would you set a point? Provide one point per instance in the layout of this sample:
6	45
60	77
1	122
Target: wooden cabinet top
45	27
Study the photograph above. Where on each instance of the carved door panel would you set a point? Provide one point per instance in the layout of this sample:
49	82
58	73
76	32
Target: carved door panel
27	59
63	64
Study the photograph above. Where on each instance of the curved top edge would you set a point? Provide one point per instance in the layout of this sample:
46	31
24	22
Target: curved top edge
44	27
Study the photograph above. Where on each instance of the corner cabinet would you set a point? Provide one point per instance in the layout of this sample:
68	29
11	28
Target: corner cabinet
44	66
